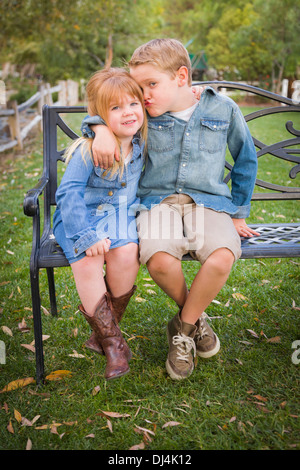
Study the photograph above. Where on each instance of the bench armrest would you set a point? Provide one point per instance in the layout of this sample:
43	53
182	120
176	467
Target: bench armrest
30	204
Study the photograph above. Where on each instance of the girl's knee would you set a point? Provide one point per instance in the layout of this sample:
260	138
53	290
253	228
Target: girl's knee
125	255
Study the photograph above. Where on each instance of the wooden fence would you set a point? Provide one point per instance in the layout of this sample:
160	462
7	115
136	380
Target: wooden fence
67	96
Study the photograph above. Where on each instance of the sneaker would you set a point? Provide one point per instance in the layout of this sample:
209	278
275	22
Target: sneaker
180	361
206	341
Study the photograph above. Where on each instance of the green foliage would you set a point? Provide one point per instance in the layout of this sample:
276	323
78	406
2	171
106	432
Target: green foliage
69	40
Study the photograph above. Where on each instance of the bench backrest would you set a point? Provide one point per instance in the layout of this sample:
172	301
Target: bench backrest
284	150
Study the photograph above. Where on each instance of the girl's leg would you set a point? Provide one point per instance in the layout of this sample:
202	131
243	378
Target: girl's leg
122	265
88	275
96	308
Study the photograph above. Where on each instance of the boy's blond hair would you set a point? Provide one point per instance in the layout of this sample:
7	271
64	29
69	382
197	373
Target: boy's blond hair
168	55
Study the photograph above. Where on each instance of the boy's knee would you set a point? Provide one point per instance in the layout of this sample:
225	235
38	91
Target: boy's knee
161	262
221	261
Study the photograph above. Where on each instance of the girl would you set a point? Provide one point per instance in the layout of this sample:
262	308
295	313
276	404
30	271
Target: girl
94	221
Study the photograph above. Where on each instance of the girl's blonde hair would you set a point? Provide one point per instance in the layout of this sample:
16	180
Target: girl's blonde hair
105	87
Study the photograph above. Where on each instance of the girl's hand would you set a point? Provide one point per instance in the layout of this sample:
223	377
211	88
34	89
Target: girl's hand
99	248
242	228
198	90
104	147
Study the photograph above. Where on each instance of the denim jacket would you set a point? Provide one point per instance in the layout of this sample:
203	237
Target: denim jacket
189	157
85	196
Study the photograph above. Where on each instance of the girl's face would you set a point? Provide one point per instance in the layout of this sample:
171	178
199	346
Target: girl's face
126	117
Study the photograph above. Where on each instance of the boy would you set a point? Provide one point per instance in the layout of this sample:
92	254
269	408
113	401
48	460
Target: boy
187	206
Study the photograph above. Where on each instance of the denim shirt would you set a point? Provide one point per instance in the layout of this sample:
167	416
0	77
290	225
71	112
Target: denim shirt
189	157
85	196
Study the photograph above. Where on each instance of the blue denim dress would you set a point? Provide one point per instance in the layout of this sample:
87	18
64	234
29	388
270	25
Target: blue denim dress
92	205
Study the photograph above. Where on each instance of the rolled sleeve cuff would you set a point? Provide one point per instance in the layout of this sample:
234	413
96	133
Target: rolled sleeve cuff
84	243
90	121
243	212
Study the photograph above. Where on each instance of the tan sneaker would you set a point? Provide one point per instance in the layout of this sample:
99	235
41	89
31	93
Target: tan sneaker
206	341
180	361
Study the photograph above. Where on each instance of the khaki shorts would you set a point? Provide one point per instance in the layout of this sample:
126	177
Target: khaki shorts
178	226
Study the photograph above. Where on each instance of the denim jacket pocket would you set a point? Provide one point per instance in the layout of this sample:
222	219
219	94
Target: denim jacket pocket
213	134
160	136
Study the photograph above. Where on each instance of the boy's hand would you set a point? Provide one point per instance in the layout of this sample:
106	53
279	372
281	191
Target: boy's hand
242	228
198	90
99	248
104	147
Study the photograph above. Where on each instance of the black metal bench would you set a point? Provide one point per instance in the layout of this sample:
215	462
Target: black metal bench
275	240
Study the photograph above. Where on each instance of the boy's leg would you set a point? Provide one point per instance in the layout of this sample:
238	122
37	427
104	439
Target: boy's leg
207	284
166	271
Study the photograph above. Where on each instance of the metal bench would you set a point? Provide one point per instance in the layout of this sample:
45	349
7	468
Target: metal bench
275	240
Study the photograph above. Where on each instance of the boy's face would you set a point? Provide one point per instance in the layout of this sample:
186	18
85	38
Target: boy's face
159	88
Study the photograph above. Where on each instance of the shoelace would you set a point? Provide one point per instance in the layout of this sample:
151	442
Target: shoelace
202	330
184	345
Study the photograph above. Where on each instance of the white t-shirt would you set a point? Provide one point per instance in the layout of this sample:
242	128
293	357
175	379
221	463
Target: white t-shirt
185	114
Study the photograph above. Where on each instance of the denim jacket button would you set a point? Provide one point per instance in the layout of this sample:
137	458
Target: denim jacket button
76	250
110	193
123	184
99	208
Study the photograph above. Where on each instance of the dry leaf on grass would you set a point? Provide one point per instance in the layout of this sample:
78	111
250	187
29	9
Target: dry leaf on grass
113	414
139	446
276	339
170	423
17	384
58	374
6	330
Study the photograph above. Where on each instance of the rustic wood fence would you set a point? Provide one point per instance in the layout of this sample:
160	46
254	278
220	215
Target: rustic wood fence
67	96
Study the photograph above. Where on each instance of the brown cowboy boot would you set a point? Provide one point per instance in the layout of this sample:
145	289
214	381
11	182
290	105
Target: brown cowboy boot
119	305
108	334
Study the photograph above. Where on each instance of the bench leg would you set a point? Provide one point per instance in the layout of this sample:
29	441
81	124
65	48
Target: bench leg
51	284
37	322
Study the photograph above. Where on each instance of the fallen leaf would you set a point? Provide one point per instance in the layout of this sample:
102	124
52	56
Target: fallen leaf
17	384
253	333
113	414
29	346
144	430
109	425
59	374
239	296
96	390
90	436
139	446
10	428
170	423
6	330
45	310
76	354
140	299
18	416
259	397
232	419
275	339
28	444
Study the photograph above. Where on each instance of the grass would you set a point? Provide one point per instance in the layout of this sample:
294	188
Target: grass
246	397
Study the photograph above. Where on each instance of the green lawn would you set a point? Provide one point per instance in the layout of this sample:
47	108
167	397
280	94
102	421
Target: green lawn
246	397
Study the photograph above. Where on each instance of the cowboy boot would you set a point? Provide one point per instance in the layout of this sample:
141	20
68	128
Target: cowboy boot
119	305
108	334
